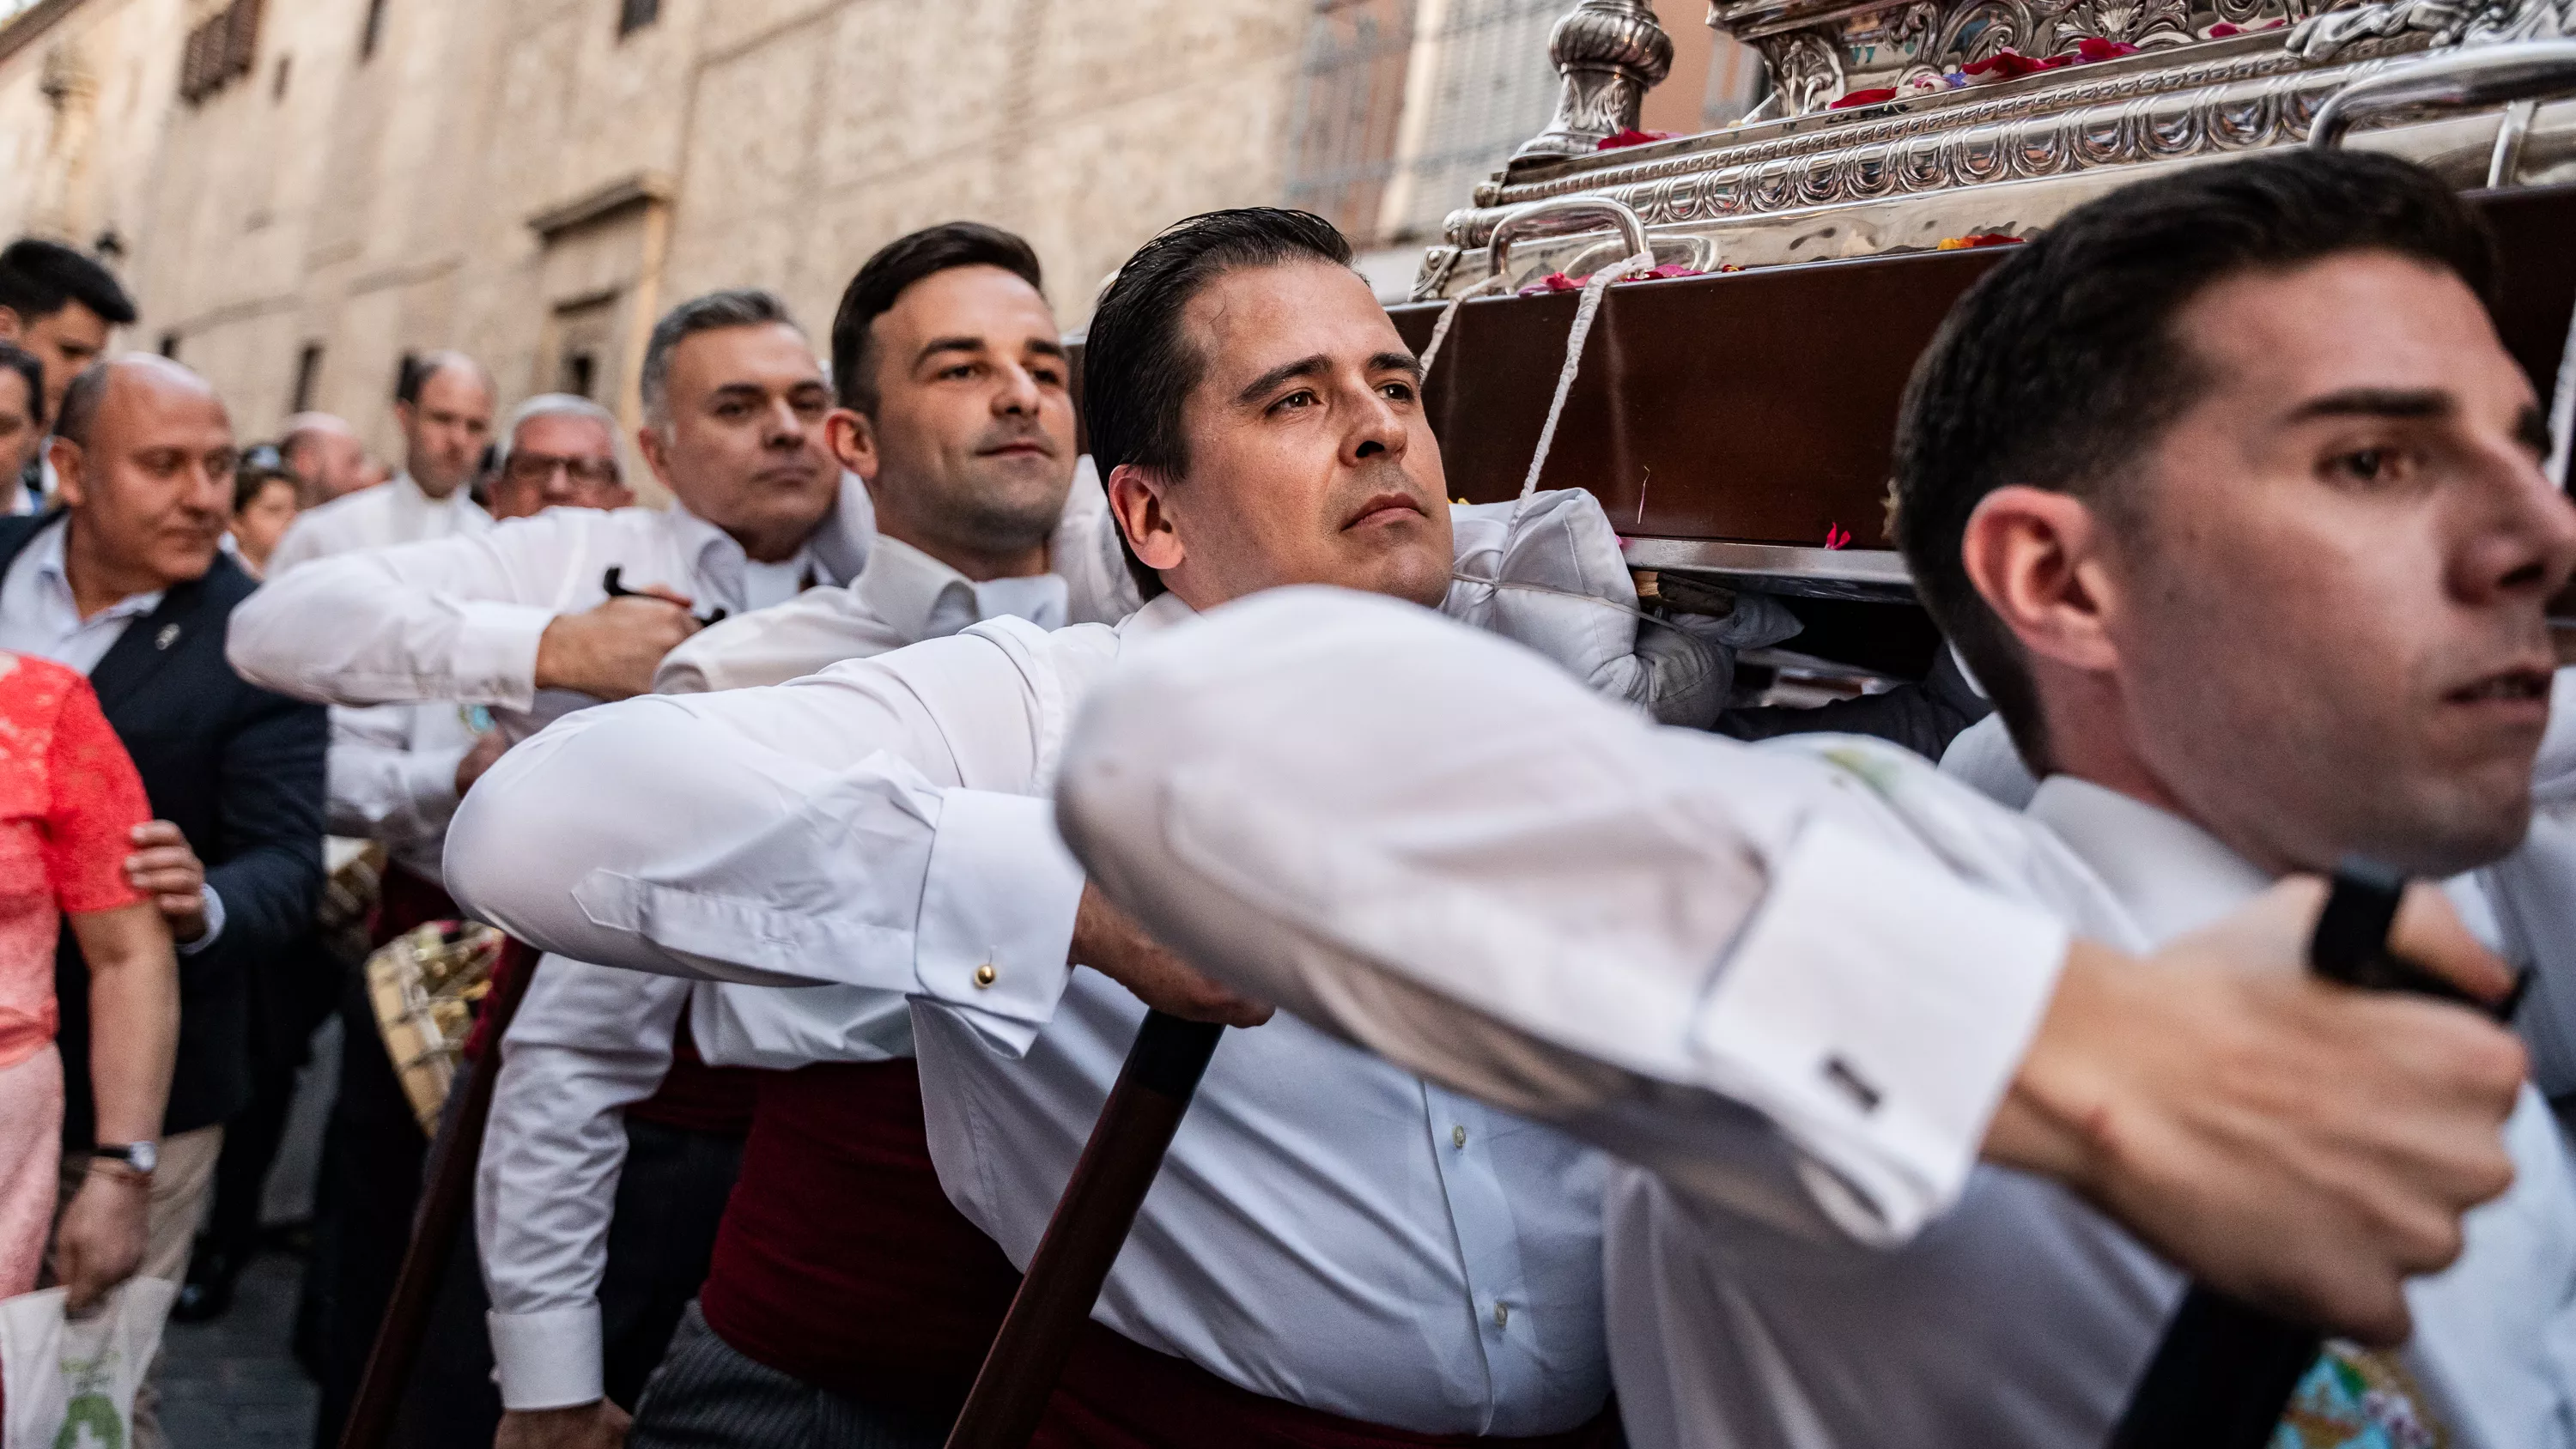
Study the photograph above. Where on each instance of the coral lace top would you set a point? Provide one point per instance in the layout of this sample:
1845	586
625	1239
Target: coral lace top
69	801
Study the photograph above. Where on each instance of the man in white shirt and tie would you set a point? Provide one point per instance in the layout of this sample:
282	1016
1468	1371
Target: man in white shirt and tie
1338	1252
953	402
2233	501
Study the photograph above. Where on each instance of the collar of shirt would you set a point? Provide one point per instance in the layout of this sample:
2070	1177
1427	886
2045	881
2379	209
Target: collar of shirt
1160	613
918	597
418	515
2171	876
39	615
727	578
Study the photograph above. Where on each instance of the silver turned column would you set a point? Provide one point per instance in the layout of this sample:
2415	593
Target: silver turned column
1611	52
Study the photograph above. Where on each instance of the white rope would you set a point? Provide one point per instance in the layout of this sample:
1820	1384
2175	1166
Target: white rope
1593	290
1449	315
2562	408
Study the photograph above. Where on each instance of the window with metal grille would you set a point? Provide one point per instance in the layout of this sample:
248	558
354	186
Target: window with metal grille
1402	106
634	15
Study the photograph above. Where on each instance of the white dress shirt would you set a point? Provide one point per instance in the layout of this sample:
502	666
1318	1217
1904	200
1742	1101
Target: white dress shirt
458	620
1327	1229
392	768
1584	917
2523	905
39	616
590	1040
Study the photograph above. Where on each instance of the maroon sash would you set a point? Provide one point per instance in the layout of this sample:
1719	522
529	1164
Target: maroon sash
840	1261
1118	1394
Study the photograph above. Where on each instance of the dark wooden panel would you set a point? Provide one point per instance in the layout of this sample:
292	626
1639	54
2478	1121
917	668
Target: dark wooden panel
1761	406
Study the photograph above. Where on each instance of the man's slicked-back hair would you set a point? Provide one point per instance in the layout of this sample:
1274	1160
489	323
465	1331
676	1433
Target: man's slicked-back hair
2062	367
714	312
1137	368
39	278
892	271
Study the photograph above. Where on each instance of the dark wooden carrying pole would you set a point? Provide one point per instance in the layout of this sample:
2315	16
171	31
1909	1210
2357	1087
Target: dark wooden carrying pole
2224	1373
1082	1239
433	1234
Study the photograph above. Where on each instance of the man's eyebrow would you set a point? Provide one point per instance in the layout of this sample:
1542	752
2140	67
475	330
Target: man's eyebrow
1404	362
1314	366
938	345
1046	346
2378	402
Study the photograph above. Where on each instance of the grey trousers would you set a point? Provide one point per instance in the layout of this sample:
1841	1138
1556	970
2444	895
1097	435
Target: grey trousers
708	1395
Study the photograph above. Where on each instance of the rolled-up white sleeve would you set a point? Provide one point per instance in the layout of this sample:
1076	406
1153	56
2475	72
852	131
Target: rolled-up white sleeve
588	1041
1773	975
454	618
817	831
380	787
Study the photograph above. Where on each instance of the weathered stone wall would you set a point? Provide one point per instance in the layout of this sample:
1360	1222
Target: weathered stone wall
382	204
84	91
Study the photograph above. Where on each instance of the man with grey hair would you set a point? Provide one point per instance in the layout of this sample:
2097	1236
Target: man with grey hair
520	622
558	450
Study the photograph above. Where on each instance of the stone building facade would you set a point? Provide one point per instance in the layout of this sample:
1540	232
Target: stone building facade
301	192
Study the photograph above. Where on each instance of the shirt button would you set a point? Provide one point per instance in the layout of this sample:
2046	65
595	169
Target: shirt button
1458	1136
1502	1315
984	975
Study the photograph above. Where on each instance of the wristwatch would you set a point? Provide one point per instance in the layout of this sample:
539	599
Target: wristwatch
141	1156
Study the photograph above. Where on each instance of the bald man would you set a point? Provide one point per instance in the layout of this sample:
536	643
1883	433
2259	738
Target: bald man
126	584
445	408
327	457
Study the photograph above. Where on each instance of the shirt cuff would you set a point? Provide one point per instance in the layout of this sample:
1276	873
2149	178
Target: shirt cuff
1877	1009
997	910
547	1360
214	923
496	653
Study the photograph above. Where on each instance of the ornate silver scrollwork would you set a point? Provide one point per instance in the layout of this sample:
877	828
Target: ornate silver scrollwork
1611	52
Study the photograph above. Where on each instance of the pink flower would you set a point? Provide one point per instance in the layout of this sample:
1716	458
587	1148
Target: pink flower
1836	536
2010	64
1869	97
1631	137
2093	48
2222	30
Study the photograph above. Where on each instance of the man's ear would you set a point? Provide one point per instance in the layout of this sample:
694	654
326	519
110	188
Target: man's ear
853	440
12	326
69	481
1136	496
2035	556
657	454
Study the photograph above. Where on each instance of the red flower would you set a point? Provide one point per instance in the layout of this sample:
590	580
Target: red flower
2093	48
2222	30
1632	137
1981	239
2011	64
1869	97
1836	536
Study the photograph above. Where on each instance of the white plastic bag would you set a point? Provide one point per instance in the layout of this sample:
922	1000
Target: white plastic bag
71	1382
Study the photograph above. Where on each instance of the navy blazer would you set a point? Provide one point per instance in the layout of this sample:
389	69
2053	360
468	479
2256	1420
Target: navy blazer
240	771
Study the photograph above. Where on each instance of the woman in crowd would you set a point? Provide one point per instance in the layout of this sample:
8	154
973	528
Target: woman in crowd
264	503
69	803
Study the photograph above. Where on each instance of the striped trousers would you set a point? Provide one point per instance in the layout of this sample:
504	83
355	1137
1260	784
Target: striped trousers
708	1395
